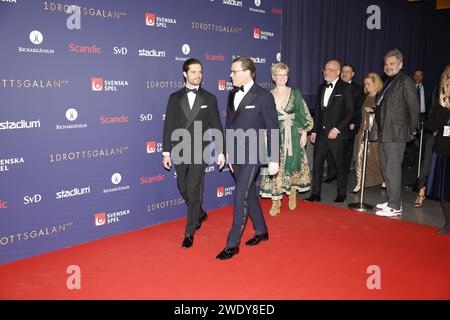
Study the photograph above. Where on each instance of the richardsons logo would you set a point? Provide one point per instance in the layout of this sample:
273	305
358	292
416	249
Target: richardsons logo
224	192
104	218
87	154
224	85
34	234
32	84
254	59
232	3
58	7
9	1
215	27
152	20
99	84
261	34
71	115
116	179
163	84
185	49
36	37
257	10
164	204
152	53
22	124
75	192
8	164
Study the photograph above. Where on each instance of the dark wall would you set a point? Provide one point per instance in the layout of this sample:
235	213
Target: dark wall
315	31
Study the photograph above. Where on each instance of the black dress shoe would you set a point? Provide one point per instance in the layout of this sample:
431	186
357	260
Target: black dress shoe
188	242
257	239
329	180
443	230
228	253
202	219
340	198
313	198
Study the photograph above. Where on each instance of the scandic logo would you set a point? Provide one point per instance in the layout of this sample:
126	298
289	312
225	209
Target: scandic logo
100	219
97	84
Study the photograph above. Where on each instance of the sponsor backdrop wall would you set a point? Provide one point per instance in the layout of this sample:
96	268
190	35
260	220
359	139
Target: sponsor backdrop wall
82	102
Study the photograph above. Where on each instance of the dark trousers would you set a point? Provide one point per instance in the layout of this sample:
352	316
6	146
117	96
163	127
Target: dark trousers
427	152
190	181
446	209
348	150
338	152
391	158
246	202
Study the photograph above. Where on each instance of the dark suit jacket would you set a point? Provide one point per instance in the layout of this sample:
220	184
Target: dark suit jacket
358	98
337	114
399	112
256	111
436	122
180	116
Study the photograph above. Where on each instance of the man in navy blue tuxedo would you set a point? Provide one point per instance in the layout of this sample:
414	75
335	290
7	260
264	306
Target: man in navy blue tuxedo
251	120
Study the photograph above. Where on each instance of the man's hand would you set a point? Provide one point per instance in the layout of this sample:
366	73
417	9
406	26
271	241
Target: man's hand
167	163
229	164
273	168
313	138
352	126
221	161
303	139
333	134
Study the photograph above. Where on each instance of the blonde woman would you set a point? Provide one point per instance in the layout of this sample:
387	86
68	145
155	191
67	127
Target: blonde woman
438	181
294	121
372	86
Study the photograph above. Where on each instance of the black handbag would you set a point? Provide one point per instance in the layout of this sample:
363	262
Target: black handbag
373	129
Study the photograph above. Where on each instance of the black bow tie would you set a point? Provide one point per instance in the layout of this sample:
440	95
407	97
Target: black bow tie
236	89
191	90
329	85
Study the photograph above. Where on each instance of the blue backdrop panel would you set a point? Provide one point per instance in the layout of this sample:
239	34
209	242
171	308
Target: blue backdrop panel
81	110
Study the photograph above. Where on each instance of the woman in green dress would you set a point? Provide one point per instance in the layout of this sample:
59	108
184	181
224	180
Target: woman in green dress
294	121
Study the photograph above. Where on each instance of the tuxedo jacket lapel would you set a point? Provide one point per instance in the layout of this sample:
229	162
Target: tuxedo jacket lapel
184	103
248	98
195	108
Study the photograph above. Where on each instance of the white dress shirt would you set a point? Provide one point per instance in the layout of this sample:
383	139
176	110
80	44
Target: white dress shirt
191	97
241	94
328	91
422	97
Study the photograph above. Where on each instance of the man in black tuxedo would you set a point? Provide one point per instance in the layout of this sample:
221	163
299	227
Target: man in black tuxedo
251	111
347	74
190	112
332	117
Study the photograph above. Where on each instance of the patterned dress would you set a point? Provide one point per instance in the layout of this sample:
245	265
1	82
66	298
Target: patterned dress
293	119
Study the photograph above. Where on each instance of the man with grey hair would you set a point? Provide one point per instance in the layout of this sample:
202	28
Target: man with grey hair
397	116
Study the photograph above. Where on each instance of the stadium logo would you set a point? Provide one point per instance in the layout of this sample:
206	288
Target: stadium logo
75	192
22	124
151	53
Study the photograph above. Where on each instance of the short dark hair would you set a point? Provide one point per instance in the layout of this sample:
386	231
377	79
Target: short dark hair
349	65
418	69
189	62
246	64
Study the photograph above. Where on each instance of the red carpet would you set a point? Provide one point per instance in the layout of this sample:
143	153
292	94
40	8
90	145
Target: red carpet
315	252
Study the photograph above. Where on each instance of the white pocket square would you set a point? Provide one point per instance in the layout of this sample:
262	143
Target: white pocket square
204	107
249	107
338	95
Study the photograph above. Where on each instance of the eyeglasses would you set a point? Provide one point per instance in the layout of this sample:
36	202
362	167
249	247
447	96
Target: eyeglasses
235	71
